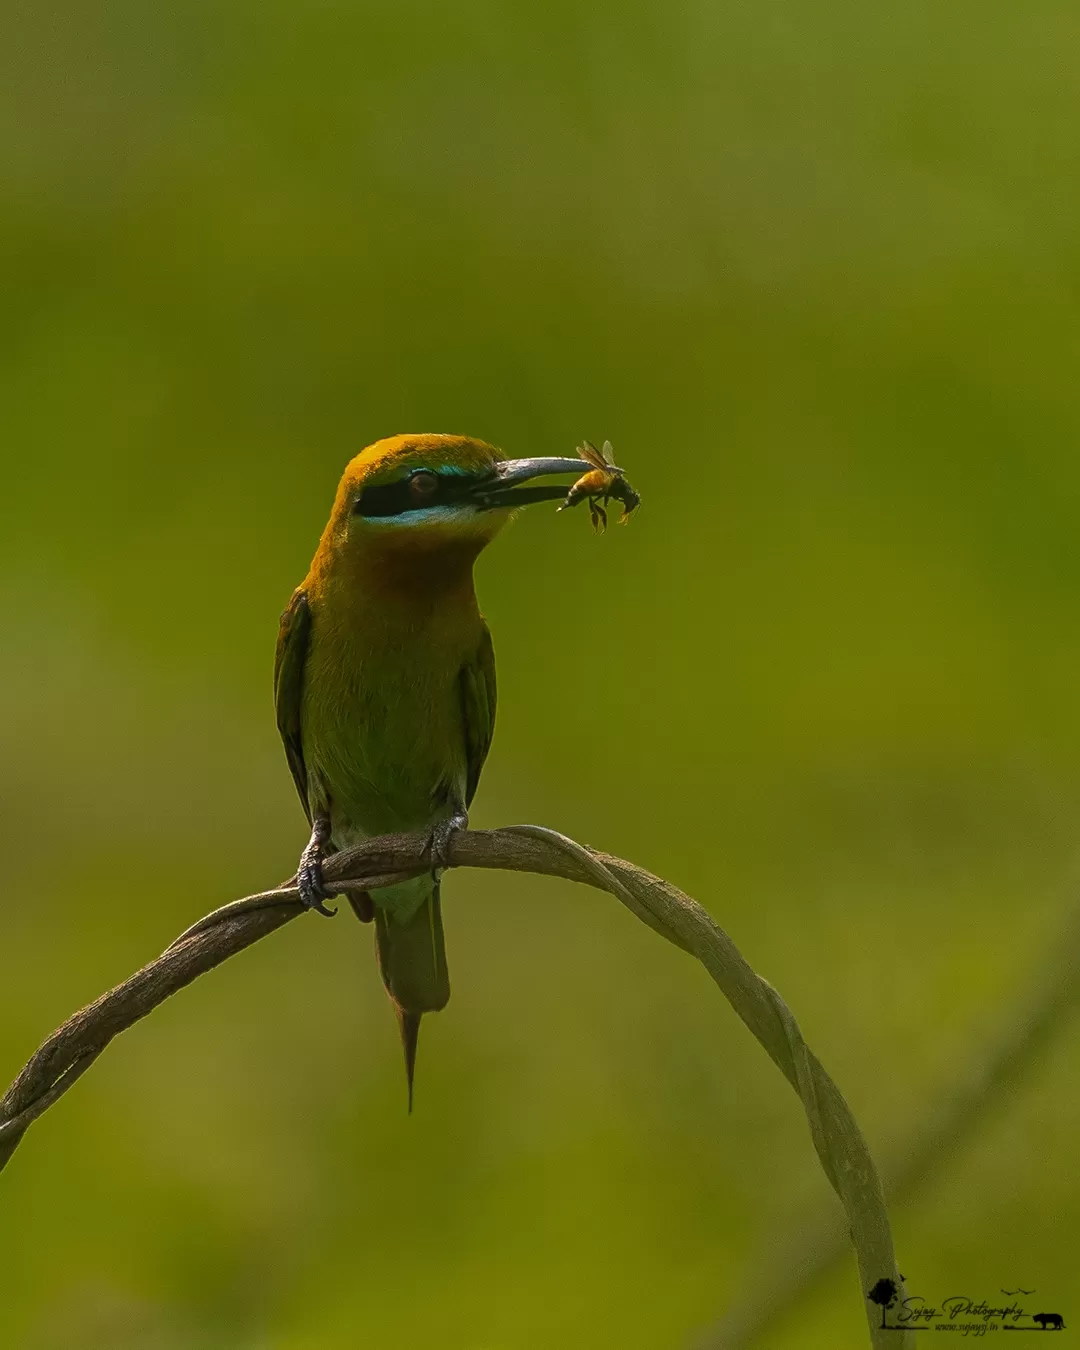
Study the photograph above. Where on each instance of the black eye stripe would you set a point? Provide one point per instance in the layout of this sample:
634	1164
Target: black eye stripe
395	499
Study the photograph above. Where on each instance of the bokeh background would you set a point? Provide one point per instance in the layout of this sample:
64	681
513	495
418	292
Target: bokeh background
815	270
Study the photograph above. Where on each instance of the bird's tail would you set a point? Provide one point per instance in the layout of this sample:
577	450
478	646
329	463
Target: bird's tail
412	962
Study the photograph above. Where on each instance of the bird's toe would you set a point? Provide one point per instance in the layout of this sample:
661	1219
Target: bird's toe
309	882
441	836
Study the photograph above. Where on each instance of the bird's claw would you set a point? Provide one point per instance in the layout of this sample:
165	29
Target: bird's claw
439	842
309	883
309	878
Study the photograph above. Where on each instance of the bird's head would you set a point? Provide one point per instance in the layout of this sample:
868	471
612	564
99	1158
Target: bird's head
430	495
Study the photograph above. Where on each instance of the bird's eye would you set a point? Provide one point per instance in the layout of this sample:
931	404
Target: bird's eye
423	485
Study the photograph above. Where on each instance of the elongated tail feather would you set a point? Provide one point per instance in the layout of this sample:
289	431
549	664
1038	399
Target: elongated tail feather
409	1026
412	962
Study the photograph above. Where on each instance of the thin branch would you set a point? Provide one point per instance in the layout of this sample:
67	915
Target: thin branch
984	1082
840	1147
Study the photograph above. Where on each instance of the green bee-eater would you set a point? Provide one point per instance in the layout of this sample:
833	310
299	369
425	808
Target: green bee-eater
384	680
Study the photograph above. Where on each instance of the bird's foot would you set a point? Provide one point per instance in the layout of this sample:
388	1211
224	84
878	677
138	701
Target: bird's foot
309	883
439	841
309	879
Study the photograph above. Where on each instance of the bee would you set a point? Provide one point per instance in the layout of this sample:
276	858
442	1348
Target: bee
602	483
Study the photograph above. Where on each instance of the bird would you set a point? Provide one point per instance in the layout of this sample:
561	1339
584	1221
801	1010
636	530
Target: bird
384	681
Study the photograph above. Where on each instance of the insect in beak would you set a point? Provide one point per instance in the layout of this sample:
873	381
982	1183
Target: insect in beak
604	481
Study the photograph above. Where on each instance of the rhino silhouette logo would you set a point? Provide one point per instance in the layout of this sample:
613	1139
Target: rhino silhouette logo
1049	1320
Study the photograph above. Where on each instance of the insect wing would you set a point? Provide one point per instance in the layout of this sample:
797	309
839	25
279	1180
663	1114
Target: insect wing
591	455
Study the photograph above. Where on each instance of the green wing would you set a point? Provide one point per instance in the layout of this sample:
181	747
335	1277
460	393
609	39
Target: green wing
289	658
478	711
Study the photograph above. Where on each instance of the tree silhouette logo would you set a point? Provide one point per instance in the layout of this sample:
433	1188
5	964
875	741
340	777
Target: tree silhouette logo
885	1293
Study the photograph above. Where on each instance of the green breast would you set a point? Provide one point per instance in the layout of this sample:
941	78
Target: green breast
381	722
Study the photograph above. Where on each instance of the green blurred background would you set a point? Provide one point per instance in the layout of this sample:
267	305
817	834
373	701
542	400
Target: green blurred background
815	270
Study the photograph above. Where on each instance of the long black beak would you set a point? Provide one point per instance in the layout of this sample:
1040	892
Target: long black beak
503	487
